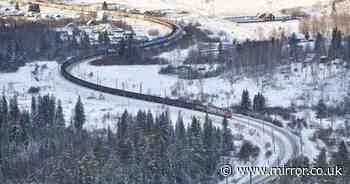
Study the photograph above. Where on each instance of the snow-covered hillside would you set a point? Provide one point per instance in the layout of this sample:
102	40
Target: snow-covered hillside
222	7
298	84
210	14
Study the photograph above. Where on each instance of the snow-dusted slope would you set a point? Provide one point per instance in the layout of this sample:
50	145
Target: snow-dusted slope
226	7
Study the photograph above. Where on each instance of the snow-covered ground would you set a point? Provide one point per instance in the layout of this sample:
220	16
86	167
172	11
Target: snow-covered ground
143	28
96	104
100	106
297	84
211	14
218	7
8	9
227	30
198	13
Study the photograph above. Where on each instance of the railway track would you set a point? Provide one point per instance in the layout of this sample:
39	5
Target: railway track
286	141
71	62
176	31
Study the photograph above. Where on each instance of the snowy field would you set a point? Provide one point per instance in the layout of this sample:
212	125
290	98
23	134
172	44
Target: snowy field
143	28
210	14
215	23
229	31
298	84
7	9
96	104
211	7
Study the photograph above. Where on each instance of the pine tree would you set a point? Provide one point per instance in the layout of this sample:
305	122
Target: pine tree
123	133
247	151
51	108
259	103
15	133
121	47
227	144
123	126
88	166
307	35
319	47
141	119
209	145
104	5
321	160
164	127
3	113
245	104
33	107
84	40
14	109
196	149
59	121
180	133
218	139
149	122
103	38
347	50
17	5
163	132
335	47
321	110
153	155
341	158
4	136
293	44
221	54
181	154
26	127
79	115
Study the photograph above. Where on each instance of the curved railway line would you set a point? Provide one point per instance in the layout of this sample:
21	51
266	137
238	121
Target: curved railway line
285	140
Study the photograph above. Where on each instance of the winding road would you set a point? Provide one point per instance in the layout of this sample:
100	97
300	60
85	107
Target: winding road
286	143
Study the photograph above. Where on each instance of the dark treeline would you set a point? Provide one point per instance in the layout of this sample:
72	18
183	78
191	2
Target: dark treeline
258	54
338	47
37	147
247	106
22	41
252	57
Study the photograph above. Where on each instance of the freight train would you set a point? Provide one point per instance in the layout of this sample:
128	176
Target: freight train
69	63
174	35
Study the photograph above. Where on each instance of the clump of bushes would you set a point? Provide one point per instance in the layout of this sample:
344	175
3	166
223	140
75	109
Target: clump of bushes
33	90
153	32
248	151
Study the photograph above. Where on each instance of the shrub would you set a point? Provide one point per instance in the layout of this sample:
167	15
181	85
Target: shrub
268	154
33	90
153	32
277	123
248	150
